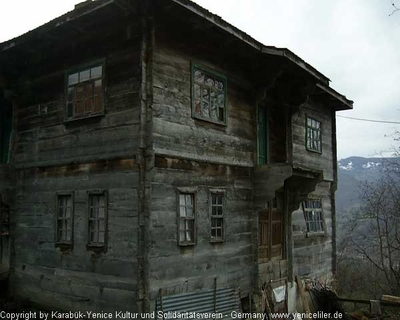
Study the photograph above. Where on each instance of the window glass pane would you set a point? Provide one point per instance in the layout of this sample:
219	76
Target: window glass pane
189	211
67	213
182	199
98	87
98	104
219	85
89	105
79	92
188	199
101	225
101	212
101	237
73	79
198	76
213	106
84	75
209	81
71	93
89	90
205	103
79	108
189	230
96	72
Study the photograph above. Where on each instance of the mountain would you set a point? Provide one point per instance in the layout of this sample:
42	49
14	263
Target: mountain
352	173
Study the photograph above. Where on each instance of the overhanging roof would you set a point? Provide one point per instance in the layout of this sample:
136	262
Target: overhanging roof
342	103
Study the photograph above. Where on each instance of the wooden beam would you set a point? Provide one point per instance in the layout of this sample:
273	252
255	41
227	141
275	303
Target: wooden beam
303	295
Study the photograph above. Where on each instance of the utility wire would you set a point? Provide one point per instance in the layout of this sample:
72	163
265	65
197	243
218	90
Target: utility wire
369	120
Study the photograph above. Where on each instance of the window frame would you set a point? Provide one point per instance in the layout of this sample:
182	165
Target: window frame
321	230
313	130
57	241
78	69
220	77
193	193
90	244
219	193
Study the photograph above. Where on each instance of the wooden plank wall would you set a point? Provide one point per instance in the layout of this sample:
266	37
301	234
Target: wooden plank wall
303	157
195	153
80	156
312	254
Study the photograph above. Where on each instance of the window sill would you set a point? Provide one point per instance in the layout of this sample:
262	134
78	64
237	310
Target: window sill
315	234
64	246
186	244
90	116
98	248
214	241
197	117
271	260
314	151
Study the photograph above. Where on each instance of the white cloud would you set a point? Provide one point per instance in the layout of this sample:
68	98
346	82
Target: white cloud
354	43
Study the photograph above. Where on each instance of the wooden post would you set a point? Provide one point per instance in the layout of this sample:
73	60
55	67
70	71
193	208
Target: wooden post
302	295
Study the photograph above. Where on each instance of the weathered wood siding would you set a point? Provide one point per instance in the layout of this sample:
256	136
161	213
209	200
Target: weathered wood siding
79	156
77	278
199	154
42	136
313	253
176	269
177	134
308	159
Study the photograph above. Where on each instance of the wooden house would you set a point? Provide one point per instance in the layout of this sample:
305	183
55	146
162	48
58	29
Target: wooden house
154	156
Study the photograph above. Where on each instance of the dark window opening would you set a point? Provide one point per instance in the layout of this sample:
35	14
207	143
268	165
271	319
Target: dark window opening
97	218
85	92
217	217
313	215
65	219
208	95
313	135
186	219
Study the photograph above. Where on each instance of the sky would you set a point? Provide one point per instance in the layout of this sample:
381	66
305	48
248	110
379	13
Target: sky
355	43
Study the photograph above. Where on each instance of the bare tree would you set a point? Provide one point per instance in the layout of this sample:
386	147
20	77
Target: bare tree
373	237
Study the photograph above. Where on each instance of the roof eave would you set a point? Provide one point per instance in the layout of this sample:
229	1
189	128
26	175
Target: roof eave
343	102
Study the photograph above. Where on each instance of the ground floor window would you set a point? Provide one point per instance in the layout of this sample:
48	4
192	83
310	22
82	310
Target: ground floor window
313	215
97	218
186	219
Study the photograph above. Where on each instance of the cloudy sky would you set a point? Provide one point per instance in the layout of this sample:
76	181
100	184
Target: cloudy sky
353	42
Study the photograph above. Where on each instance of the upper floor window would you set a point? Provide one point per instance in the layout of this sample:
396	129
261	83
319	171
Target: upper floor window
208	95
313	135
186	219
312	209
217	217
97	218
85	92
64	221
